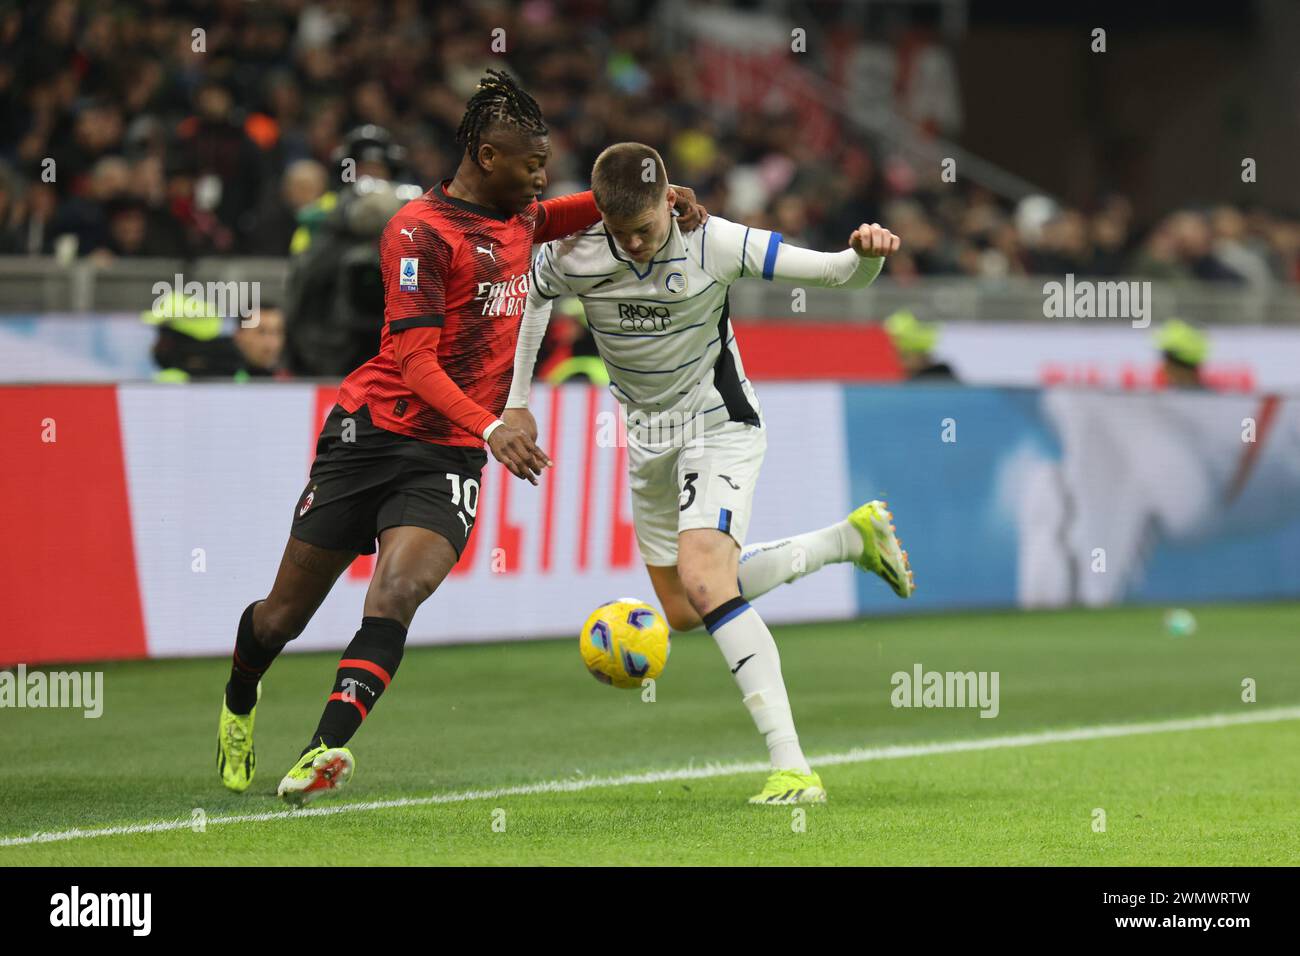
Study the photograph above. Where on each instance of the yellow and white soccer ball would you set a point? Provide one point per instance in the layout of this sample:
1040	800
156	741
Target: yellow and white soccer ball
624	643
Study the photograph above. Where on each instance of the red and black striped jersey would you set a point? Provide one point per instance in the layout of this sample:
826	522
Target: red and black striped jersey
455	281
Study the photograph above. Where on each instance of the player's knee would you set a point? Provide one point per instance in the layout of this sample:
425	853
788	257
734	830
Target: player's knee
706	587
398	595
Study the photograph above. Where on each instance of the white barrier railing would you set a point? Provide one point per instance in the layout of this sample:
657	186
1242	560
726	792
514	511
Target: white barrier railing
41	284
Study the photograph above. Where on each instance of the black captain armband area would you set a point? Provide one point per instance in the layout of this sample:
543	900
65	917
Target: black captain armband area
417	322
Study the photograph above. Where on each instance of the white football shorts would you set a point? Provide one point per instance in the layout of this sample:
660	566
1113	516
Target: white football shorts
705	480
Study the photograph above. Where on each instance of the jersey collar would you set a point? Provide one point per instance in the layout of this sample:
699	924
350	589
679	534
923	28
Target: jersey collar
484	211
672	250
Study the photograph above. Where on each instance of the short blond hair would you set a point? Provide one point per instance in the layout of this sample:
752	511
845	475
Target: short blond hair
627	179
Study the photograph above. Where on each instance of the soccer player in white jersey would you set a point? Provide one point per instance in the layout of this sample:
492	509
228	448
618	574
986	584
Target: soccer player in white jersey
656	303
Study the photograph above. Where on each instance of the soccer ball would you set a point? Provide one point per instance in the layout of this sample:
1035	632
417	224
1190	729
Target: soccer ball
624	643
1180	622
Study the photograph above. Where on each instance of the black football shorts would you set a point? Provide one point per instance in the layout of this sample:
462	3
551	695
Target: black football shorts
366	479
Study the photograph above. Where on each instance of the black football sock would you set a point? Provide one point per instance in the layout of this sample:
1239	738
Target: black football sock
365	671
250	661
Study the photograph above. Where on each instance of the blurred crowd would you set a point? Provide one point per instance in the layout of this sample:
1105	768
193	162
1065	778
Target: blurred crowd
211	127
974	234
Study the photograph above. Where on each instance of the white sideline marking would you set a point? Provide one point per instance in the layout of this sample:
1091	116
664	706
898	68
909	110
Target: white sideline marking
857	755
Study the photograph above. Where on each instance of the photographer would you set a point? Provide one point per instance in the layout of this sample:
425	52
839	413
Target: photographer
335	302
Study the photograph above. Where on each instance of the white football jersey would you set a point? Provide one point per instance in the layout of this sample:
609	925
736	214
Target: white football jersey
663	328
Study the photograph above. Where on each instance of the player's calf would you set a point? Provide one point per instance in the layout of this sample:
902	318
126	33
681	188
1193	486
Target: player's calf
413	561
276	623
265	627
751	655
672	598
364	672
304	578
707	567
682	617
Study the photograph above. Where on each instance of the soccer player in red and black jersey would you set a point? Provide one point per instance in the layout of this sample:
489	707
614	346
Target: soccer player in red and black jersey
401	454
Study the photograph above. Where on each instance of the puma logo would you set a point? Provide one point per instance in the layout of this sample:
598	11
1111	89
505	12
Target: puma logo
408	233
488	251
464	521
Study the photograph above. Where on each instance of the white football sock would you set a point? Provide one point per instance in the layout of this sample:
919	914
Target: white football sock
751	655
764	566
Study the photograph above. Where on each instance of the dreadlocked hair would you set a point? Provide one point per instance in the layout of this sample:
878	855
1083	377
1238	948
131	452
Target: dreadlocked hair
498	100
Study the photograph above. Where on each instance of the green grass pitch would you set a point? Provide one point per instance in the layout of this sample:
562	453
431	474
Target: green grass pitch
463	724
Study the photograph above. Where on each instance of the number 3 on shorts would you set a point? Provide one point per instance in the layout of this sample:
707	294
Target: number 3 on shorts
687	497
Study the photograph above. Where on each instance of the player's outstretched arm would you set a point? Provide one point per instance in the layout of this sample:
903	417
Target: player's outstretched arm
853	268
537	315
546	284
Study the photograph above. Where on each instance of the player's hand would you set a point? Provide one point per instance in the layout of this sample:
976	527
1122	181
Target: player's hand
873	240
522	419
690	214
513	448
